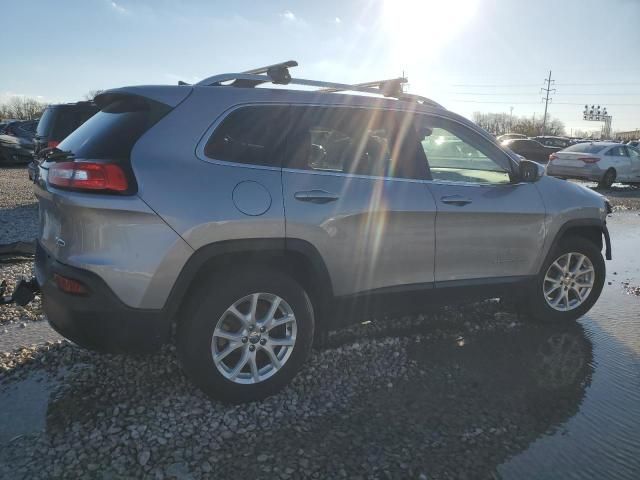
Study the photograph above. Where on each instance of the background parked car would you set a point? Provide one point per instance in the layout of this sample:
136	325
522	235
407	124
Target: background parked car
603	162
509	136
16	141
562	142
531	149
634	143
57	122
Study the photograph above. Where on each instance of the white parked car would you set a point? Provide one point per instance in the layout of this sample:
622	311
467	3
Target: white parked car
602	162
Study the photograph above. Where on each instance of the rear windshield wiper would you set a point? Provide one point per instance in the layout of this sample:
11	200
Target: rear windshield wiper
60	155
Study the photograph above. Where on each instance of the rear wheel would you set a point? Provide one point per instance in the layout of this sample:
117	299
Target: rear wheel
569	283
608	179
247	335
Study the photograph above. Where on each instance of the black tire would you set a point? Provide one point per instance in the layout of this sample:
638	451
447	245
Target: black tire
540	310
607	179
208	304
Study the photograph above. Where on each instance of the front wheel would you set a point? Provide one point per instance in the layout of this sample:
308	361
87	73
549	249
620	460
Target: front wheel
570	282
247	334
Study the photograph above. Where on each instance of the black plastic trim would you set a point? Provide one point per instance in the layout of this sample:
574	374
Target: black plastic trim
581	222
99	320
265	247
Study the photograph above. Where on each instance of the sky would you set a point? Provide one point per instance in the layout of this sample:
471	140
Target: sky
469	55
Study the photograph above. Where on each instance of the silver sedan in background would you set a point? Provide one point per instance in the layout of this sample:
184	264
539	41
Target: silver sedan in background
602	162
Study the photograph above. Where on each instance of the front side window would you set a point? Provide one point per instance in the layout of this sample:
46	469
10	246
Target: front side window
456	154
353	141
253	135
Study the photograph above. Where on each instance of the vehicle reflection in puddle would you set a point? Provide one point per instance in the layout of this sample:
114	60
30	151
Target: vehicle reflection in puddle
603	439
460	409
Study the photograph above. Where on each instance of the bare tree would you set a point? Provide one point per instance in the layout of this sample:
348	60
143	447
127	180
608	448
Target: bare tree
22	108
501	123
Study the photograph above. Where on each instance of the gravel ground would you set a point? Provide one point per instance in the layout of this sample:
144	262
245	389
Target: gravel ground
631	289
18	206
388	405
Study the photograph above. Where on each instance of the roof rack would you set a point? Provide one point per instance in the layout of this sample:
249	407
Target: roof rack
279	74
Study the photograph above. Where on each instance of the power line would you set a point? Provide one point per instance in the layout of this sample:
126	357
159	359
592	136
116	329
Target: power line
538	103
515	85
494	94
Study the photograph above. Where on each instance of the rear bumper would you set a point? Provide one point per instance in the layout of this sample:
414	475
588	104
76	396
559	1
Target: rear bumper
99	320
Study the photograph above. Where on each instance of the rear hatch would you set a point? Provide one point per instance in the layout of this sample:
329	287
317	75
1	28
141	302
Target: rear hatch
87	182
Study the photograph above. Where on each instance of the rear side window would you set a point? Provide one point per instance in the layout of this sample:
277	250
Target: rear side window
617	152
355	141
252	135
113	131
585	148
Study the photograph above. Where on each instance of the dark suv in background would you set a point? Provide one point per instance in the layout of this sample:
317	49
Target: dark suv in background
56	123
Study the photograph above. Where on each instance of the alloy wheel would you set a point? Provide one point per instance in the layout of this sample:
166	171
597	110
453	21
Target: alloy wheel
254	338
568	281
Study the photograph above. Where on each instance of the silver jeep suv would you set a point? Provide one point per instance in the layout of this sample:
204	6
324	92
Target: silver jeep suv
242	222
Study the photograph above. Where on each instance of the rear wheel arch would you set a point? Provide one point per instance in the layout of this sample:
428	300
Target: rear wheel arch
296	258
608	178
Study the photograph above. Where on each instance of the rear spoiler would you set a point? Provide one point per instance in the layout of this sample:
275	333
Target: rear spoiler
170	95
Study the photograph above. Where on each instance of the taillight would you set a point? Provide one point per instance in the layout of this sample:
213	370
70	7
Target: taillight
589	159
88	176
70	285
52	144
552	157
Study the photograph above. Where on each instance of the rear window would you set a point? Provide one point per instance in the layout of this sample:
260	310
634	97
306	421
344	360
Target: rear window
112	132
585	148
44	125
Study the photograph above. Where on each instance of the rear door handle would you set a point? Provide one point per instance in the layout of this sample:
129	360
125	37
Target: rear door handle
316	196
457	200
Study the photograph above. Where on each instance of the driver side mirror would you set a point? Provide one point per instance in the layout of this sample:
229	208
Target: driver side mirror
530	171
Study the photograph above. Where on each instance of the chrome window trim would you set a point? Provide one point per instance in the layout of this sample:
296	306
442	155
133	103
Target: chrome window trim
199	150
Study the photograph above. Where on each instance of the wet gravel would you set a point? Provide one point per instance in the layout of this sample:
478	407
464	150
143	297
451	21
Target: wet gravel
374	407
631	289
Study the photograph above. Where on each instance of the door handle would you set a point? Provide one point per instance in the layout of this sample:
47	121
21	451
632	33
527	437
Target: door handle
457	200
316	196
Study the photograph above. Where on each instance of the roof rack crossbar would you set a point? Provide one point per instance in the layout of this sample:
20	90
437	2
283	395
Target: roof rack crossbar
392	85
259	70
251	79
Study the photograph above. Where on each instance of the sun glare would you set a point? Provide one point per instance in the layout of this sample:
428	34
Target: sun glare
419	29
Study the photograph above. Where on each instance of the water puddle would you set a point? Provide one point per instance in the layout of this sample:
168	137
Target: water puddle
23	406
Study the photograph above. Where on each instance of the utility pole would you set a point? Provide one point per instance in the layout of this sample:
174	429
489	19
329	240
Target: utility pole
547	88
